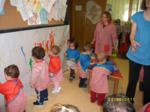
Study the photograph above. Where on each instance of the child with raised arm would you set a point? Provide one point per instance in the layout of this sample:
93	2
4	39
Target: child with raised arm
99	81
12	89
72	55
40	76
55	69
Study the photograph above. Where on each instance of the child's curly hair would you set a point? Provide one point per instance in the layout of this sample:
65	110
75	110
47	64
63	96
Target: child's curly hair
64	108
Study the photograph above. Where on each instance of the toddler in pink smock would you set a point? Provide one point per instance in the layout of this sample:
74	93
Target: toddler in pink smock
40	76
55	69
99	81
15	98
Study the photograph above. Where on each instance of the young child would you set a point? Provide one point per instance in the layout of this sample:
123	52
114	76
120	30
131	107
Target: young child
72	55
83	64
118	103
40	76
12	89
64	108
99	82
55	69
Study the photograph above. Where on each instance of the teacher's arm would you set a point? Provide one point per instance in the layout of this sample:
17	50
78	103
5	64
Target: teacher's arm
114	37
134	44
95	33
94	37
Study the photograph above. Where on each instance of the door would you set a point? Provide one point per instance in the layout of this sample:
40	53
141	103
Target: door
82	28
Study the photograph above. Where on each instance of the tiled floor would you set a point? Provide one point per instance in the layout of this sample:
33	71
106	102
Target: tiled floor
71	94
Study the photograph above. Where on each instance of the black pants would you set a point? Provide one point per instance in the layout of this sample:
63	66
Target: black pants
134	71
82	82
42	95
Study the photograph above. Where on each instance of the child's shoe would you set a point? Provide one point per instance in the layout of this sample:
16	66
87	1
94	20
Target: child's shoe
54	91
93	101
58	89
71	79
45	99
37	103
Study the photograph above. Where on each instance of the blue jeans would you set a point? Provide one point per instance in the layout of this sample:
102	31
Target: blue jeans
42	95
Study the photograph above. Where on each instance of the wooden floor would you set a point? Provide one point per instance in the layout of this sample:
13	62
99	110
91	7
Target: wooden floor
71	94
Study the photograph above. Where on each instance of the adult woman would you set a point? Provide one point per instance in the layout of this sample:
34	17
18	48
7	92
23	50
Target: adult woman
105	35
139	53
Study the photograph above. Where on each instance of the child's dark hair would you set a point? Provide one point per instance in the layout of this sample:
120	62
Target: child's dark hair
57	49
71	40
118	103
143	5
38	52
87	47
12	71
75	44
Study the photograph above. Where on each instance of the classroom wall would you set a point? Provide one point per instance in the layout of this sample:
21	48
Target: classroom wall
12	18
82	28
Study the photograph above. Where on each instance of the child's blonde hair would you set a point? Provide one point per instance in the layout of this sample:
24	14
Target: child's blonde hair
87	47
56	49
64	108
101	56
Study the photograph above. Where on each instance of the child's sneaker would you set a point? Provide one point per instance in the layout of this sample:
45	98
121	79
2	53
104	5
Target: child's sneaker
71	79
54	91
83	86
45	99
37	103
58	89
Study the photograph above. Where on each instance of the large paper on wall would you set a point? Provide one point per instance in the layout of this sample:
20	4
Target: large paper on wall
16	49
2	7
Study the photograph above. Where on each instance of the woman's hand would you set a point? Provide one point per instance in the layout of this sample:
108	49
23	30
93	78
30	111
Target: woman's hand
134	45
93	41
